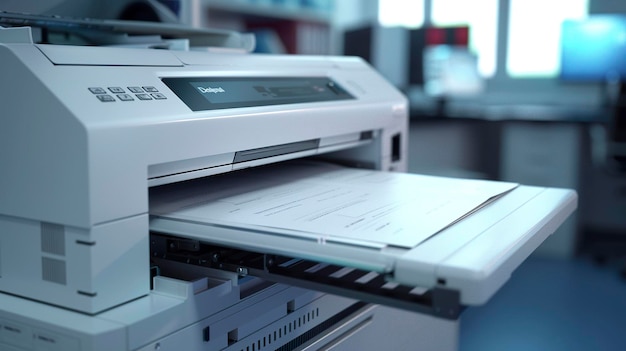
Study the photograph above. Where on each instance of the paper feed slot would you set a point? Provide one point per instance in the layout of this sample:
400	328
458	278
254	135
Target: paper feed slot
210	165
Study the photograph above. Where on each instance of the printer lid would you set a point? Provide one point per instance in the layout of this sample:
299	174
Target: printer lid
468	250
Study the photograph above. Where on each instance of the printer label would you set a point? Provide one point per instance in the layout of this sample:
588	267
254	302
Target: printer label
209	90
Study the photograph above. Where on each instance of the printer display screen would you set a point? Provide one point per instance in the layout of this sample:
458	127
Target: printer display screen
210	93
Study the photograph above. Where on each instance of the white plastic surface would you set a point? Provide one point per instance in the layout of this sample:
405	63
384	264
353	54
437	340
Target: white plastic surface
101	56
478	255
474	256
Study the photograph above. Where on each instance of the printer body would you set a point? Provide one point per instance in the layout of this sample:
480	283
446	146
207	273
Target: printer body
111	161
86	133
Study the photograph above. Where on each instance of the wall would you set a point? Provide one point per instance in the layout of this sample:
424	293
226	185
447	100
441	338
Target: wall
500	89
503	89
351	14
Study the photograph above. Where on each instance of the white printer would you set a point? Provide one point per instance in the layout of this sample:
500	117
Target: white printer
104	149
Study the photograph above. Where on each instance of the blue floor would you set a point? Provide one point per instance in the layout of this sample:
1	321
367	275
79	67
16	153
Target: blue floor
551	305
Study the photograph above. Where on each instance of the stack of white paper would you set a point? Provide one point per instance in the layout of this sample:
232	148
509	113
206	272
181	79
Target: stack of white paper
334	203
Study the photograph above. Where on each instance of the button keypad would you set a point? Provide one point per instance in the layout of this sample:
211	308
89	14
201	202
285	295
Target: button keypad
105	98
97	90
125	97
116	90
143	96
146	92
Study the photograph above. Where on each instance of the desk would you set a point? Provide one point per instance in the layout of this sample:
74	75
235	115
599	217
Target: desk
530	144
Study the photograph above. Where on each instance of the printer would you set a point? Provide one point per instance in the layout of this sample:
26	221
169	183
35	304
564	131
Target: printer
103	149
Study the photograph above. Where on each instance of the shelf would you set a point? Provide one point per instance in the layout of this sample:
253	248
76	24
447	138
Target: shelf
280	26
268	10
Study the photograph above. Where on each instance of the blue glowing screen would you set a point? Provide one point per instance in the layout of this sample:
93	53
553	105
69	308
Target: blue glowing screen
594	49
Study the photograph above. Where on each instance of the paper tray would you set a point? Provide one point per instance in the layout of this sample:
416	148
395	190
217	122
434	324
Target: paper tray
473	256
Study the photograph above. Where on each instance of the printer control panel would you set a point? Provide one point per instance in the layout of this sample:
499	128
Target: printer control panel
131	93
212	93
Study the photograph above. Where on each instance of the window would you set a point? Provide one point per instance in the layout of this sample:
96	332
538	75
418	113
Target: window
405	13
534	35
482	18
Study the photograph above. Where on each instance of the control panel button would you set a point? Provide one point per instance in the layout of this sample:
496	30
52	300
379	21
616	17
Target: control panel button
116	90
125	97
143	96
150	89
158	96
135	90
105	98
97	90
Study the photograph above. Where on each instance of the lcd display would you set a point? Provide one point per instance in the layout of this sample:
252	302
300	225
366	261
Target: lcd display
209	93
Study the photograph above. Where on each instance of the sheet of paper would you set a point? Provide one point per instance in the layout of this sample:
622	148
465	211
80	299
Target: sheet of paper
336	203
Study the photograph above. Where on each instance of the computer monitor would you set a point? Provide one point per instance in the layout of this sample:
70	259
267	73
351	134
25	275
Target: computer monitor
594	49
398	52
451	71
422	38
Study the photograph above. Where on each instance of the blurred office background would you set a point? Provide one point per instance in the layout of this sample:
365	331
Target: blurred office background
529	91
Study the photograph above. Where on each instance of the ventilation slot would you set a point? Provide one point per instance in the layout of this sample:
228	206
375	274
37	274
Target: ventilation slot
319	329
53	270
294	326
53	239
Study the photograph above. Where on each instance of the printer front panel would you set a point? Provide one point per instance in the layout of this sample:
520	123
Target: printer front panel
168	132
108	145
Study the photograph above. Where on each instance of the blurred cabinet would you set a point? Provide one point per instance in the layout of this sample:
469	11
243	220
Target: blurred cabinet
606	200
453	148
604	206
281	26
545	154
